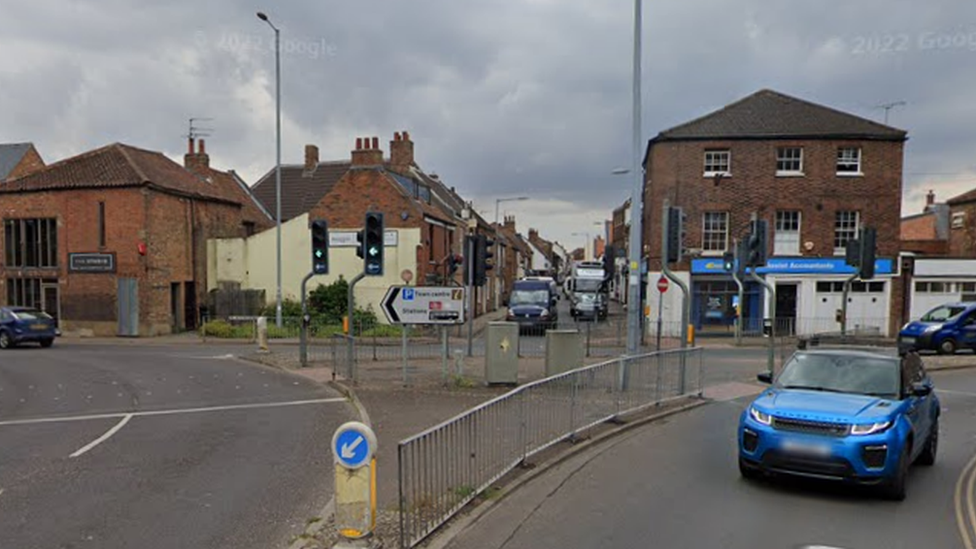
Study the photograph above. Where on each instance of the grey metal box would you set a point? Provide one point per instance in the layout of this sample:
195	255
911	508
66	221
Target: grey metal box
501	356
564	351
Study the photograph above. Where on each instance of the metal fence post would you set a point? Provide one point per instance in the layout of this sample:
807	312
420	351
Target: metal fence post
701	373
403	352
588	339
574	378
523	443
444	353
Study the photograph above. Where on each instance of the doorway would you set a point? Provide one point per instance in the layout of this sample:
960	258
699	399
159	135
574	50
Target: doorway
51	302
190	305
175	310
786	309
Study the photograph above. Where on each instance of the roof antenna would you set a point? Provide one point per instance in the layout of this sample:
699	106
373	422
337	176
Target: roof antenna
888	106
196	131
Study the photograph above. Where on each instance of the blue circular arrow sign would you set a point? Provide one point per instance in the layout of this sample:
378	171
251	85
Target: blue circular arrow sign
353	445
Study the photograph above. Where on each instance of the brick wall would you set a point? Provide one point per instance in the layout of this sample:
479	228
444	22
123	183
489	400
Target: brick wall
675	171
962	240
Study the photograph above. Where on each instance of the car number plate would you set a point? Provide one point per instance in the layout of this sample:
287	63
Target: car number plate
806	448
38	327
908	340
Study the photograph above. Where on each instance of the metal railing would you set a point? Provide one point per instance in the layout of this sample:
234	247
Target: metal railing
445	467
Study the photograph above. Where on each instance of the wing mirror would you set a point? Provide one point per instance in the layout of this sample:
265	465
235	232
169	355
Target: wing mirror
765	377
921	389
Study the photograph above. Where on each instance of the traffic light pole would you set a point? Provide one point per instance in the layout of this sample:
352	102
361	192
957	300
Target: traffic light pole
739	284
303	333
350	339
843	305
686	302
469	283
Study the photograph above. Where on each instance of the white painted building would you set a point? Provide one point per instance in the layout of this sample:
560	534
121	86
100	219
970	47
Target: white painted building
937	281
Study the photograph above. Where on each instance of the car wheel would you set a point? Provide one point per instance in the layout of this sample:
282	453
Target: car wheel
46	343
894	488
927	457
948	347
748	471
5	341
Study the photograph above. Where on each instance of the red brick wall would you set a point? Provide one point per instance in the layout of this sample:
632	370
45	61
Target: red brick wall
962	240
133	215
30	163
675	171
926	247
919	228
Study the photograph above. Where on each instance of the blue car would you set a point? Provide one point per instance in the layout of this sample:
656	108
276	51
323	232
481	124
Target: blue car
850	415
24	324
945	329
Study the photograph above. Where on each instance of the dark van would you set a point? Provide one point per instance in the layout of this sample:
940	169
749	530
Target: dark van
533	305
945	329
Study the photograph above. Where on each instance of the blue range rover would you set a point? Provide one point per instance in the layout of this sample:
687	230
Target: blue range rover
842	414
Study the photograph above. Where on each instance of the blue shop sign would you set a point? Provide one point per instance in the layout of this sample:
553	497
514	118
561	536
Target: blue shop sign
796	265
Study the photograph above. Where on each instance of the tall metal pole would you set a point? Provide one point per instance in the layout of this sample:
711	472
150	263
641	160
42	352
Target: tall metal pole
686	300
634	305
303	334
350	341
741	287
470	283
278	164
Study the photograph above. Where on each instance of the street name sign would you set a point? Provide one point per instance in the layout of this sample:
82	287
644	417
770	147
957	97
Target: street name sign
424	305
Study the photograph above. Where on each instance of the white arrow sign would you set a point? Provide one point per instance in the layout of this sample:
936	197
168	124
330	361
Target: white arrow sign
424	305
373	251
348	451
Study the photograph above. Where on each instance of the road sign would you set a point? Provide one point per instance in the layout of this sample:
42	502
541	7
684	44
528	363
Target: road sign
662	284
424	305
353	444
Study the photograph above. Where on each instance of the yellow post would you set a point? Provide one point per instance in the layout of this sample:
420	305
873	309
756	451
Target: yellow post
345	325
691	335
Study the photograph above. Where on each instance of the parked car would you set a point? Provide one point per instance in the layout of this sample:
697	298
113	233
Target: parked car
945	329
23	324
841	414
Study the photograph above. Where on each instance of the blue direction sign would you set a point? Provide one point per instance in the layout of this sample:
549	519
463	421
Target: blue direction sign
353	444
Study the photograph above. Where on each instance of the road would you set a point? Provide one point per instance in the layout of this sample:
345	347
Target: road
685	492
122	446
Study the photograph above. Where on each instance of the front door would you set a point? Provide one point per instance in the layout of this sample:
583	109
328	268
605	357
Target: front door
175	307
190	305
786	309
51	302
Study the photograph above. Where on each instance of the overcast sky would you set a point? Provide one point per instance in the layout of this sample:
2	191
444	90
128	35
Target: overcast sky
502	97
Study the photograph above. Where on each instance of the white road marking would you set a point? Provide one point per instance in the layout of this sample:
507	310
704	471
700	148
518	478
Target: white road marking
951	392
148	413
108	434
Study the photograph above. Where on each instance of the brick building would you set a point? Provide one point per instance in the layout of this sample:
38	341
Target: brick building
814	174
962	225
18	160
927	233
518	255
112	241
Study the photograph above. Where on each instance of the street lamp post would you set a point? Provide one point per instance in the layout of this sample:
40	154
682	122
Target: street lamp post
634	308
264	18
500	200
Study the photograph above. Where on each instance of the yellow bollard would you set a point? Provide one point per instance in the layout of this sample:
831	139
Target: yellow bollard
345	325
691	335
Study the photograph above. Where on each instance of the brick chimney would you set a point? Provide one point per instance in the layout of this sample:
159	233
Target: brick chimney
510	222
311	159
194	160
367	152
401	151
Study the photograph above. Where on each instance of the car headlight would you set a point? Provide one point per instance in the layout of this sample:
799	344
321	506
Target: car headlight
544	313
870	428
761	417
933	328
510	315
905	327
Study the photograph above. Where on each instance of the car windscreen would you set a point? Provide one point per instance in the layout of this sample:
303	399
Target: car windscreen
588	285
943	313
853	374
30	315
529	297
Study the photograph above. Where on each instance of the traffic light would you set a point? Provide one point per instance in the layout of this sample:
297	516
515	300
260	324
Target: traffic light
852	253
741	252
359	244
483	254
373	243
728	262
320	247
868	239
676	231
757	243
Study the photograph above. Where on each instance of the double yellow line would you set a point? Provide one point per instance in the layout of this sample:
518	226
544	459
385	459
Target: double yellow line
965	505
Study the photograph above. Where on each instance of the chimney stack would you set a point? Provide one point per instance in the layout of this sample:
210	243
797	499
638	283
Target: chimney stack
930	198
510	222
401	151
196	160
368	152
311	159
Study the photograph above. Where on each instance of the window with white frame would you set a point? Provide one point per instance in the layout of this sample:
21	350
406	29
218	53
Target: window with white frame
846	223
786	239
715	231
848	161
789	161
717	161
958	220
